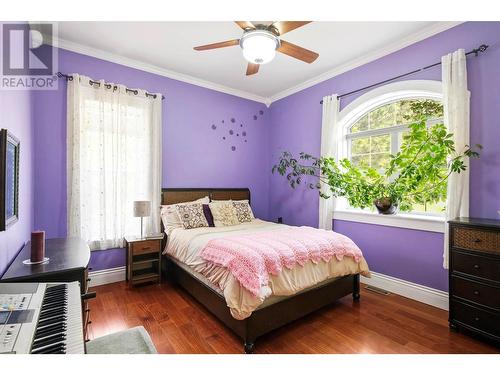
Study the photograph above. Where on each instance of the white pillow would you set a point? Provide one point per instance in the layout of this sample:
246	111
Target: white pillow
244	212
224	213
170	217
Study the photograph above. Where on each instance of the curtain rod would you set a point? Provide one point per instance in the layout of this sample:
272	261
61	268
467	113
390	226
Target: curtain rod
108	85
481	48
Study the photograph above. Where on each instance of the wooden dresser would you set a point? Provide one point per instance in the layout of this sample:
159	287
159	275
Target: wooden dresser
68	261
474	272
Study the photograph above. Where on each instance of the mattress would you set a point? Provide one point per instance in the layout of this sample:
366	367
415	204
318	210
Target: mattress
185	245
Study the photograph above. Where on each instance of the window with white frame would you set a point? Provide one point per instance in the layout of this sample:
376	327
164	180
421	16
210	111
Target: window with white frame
374	127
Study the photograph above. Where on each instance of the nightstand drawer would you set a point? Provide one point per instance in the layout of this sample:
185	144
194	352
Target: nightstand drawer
144	247
483	294
476	239
477	318
476	265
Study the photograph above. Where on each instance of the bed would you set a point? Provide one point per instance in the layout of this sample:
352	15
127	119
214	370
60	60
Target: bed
252	316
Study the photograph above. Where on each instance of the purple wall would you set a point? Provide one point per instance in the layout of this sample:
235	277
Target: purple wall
16	116
296	126
194	153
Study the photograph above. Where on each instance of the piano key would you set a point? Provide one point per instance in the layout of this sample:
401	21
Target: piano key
48	348
59	338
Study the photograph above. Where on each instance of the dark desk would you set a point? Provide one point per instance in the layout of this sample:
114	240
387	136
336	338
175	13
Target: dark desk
68	261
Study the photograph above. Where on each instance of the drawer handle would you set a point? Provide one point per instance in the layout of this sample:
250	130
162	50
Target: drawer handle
476	319
477	240
146	248
476	266
476	292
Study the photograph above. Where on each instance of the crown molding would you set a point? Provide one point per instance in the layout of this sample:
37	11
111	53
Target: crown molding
136	64
391	48
132	63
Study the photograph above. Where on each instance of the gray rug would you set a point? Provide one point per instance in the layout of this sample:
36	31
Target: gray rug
130	341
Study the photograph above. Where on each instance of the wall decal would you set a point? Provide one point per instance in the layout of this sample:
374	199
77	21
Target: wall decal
237	129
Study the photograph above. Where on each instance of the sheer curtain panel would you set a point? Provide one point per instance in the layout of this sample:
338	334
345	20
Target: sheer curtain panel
113	159
456	107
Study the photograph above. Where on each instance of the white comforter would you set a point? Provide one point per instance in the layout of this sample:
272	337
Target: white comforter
186	244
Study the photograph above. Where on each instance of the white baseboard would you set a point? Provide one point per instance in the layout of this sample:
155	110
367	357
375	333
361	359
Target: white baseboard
407	289
421	293
111	275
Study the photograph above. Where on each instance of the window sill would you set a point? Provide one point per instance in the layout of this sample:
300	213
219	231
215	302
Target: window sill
409	221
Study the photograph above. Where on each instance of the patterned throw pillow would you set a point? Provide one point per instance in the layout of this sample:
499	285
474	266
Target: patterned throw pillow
191	215
224	214
243	211
170	217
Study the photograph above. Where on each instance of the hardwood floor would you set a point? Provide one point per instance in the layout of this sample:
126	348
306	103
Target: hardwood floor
377	324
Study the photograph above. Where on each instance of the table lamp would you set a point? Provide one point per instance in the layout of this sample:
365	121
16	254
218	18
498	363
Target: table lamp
142	209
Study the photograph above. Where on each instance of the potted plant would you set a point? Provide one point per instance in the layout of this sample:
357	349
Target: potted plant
417	174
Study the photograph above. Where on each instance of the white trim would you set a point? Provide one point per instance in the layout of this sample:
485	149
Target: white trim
417	292
418	222
434	29
108	56
391	92
367	58
111	275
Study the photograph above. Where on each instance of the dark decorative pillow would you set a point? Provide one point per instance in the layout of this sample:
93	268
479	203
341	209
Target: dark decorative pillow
191	215
208	215
243	211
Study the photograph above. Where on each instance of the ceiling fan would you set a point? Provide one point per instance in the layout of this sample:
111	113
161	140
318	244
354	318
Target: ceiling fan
260	43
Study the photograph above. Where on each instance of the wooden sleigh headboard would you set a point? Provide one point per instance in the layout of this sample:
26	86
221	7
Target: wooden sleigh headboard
180	195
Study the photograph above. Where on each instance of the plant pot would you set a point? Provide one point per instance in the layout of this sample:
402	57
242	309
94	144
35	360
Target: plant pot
386	206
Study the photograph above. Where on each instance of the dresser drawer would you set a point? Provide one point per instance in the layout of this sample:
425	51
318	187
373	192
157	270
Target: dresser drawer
477	318
476	239
144	247
475	265
476	292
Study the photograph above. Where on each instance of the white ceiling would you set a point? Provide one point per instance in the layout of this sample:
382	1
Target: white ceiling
169	46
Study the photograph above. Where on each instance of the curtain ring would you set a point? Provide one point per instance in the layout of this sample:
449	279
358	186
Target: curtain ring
136	92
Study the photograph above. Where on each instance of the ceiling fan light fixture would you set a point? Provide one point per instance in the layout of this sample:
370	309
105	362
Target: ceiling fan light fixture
259	46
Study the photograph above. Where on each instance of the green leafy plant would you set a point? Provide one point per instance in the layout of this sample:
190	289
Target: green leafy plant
416	175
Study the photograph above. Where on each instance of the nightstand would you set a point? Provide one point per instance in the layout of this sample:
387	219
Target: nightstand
143	259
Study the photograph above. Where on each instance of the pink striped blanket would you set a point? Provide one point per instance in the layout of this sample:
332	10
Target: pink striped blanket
252	258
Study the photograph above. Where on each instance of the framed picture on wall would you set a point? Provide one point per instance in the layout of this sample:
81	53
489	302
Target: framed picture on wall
9	179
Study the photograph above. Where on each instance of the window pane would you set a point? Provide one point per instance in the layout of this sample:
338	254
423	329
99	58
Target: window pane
371	151
361	160
360	125
360	146
383	117
380	161
381	143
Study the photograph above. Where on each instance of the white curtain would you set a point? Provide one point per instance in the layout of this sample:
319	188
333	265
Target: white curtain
329	148
113	158
456	99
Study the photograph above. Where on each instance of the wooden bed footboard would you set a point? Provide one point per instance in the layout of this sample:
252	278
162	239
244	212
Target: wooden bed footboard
268	318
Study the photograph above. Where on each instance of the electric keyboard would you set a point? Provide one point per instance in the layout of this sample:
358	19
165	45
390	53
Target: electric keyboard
41	318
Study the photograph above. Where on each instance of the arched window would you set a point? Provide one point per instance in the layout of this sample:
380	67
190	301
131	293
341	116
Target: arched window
374	124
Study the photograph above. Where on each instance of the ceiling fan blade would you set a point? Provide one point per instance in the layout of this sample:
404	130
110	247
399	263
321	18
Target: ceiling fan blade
286	26
252	69
245	24
297	52
227	43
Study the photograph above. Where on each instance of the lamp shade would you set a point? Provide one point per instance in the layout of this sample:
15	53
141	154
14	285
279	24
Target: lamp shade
142	208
